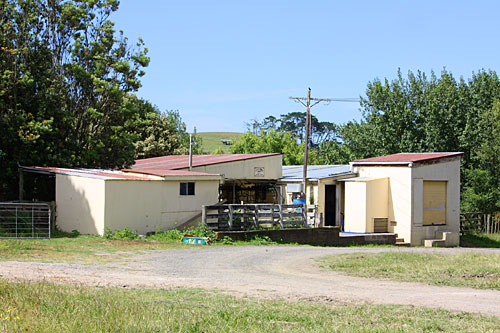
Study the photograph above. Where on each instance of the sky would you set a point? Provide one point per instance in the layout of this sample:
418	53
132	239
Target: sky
225	63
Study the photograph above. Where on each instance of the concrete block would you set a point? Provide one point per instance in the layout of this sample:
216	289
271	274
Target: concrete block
434	243
451	238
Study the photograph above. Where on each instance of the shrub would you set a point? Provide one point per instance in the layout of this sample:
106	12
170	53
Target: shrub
173	235
108	233
126	234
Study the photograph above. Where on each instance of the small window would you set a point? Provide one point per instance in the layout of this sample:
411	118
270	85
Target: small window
186	189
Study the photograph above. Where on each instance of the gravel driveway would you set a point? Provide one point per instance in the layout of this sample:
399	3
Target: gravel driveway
288	272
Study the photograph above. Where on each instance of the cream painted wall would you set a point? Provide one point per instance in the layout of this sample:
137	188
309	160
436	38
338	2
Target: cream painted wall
144	205
365	200
355	207
406	199
245	169
80	204
377	201
447	171
399	196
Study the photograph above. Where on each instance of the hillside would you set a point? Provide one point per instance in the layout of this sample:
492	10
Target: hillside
212	140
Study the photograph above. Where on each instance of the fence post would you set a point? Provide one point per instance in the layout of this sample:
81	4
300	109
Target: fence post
488	223
32	222
256	213
16	224
304	215
50	220
230	222
204	214
281	216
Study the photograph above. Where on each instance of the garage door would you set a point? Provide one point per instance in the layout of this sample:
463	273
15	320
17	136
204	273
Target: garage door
434	202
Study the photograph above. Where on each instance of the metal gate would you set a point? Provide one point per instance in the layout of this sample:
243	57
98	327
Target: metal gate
25	220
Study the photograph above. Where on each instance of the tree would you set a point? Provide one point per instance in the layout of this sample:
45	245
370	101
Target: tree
274	142
482	187
65	85
420	114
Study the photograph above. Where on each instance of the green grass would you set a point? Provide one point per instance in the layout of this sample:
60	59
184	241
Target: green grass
212	140
476	270
44	307
74	248
81	249
481	240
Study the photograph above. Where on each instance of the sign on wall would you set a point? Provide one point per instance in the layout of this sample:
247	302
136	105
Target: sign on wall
258	171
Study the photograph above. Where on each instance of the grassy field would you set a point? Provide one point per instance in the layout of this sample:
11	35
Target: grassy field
96	249
476	270
44	307
81	249
212	140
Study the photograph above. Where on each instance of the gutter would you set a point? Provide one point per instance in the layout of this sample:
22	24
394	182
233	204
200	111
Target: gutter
353	164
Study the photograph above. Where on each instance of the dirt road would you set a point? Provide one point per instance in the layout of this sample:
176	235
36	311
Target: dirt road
288	272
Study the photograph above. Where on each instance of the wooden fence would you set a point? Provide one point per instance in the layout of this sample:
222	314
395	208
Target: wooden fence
253	216
479	222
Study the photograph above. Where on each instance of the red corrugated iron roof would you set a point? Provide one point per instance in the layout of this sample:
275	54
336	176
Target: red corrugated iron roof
407	158
167	173
97	173
175	162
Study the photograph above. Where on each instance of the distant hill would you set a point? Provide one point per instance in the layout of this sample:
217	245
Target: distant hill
214	140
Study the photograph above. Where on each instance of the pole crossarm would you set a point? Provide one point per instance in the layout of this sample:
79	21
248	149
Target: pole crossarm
306	101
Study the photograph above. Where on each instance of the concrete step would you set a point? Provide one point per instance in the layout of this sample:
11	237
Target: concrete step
400	240
434	242
403	244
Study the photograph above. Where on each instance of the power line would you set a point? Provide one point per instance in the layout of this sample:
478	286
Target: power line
306	101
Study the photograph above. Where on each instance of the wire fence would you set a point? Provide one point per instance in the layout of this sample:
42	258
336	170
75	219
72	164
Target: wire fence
25	220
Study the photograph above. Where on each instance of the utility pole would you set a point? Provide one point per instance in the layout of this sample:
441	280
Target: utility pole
307	134
190	151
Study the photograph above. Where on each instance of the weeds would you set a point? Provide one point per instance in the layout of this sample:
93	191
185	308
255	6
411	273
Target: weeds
45	307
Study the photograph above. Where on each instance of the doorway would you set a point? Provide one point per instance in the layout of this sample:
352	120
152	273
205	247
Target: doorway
330	205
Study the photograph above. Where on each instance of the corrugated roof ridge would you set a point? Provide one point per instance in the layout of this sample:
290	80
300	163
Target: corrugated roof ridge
169	161
392	158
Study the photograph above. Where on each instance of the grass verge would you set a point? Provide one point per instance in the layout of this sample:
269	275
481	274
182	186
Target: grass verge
44	307
121	244
480	240
476	270
81	249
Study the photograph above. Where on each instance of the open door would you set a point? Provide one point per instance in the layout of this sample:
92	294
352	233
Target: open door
330	205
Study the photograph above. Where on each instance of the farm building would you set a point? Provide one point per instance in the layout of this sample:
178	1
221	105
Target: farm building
324	190
415	195
157	192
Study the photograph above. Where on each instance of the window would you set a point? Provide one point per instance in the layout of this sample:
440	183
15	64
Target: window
434	202
186	189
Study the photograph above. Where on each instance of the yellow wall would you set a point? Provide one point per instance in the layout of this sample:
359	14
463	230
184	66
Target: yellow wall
80	204
145	205
405	197
399	196
245	169
365	200
377	201
355	207
446	171
89	205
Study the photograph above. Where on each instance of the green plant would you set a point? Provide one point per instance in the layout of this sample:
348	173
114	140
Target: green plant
125	234
226	240
201	230
108	233
173	235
